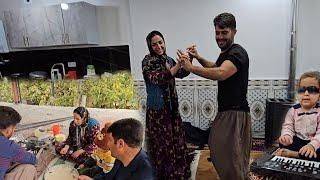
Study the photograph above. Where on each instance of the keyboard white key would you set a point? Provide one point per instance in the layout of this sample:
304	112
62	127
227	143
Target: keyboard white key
300	162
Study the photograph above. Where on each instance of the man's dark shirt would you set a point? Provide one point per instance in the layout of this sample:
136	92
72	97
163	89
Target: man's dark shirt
139	169
232	92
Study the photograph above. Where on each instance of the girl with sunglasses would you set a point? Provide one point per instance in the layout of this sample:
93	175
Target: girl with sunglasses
82	132
300	135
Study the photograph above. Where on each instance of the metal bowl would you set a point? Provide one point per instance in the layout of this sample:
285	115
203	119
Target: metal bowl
38	75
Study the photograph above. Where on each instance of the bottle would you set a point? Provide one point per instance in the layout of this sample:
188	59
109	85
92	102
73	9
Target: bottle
90	70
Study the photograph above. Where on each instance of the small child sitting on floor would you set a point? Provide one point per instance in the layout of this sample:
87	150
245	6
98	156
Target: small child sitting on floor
100	161
300	135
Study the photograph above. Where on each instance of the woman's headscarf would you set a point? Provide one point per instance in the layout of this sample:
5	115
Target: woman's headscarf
148	39
84	114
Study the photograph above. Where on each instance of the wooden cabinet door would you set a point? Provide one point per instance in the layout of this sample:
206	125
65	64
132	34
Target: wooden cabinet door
16	29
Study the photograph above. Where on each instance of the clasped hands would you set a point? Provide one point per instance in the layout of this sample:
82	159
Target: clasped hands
307	150
184	59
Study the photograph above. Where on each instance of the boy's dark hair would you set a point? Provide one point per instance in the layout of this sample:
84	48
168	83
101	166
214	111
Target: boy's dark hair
8	117
225	20
129	129
149	37
310	74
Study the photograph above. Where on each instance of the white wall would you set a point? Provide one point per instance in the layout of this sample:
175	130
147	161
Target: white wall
308	36
113	17
108	25
263	29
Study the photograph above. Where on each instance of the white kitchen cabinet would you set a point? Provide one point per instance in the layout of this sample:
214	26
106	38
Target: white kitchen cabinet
34	23
26	27
3	40
76	25
16	28
80	23
52	26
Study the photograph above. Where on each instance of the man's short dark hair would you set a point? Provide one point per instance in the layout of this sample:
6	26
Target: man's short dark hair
129	129
225	20
8	117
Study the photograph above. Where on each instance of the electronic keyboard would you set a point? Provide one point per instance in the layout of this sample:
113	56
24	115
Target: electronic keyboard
286	168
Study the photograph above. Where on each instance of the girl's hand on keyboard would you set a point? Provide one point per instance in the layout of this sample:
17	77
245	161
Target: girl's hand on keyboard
308	151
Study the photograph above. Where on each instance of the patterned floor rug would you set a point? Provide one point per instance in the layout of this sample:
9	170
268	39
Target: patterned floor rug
206	170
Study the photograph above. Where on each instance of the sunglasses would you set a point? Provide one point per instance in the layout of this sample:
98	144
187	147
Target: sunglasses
310	89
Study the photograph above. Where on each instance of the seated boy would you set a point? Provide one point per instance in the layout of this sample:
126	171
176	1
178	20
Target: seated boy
10	152
300	135
101	160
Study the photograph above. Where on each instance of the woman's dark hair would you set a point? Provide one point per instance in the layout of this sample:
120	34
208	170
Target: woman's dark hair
8	117
129	129
148	39
82	112
225	20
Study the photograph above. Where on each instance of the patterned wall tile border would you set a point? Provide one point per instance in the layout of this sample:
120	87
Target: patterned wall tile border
198	104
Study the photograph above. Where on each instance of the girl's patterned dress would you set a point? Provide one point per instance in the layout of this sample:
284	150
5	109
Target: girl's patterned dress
80	137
